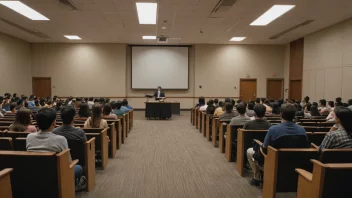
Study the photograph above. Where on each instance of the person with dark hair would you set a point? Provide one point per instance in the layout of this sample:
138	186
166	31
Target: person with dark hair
250	110
107	112
91	102
227	100
96	120
331	105
58	106
117	110
83	112
220	110
275	109
46	141
229	113
23	122
241	119
159	94
257	101
258	124
85	100
234	103
125	104
123	108
216	103
68	130
342	136
349	102
323	110
286	128
304	102
13	110
338	101
31	101
314	111
69	100
210	107
201	104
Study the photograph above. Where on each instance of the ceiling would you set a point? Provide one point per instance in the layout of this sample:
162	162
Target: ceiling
116	21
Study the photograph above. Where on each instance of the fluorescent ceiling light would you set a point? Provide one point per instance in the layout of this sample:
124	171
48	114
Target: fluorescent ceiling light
149	37
73	37
147	12
23	9
273	13
237	38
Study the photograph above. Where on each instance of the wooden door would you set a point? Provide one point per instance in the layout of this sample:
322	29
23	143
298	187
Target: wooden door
295	89
248	89
275	88
41	86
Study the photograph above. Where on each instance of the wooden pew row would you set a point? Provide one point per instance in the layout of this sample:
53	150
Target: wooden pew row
231	131
222	129
53	173
6	144
101	143
5	183
326	180
215	123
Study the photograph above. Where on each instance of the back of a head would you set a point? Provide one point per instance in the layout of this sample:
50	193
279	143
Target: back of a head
221	104
201	101
91	99
298	107
322	102
308	105
306	99
36	103
228	107
275	108
259	110
58	104
241	108
331	103
251	106
107	109
13	105
227	100
314	111
23	117
124	102
233	102
257	100
216	101
118	105
97	114
45	118
288	112
67	114
315	104
349	102
211	102
83	111
344	116
338	100
113	105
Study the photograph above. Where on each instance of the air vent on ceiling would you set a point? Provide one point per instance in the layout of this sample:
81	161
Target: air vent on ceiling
291	29
163	39
67	3
221	8
29	31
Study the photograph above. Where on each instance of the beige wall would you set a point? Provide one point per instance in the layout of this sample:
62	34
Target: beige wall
81	69
15	66
286	69
327	66
218	68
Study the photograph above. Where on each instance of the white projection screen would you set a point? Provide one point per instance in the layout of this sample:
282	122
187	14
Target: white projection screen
164	66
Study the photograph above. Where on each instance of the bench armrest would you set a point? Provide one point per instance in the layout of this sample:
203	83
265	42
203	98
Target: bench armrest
258	142
73	163
305	174
314	146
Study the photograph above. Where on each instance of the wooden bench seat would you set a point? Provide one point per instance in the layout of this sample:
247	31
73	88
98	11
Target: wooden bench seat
5	183
316	129
40	174
326	180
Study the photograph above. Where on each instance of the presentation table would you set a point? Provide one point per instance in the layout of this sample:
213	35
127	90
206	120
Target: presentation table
161	110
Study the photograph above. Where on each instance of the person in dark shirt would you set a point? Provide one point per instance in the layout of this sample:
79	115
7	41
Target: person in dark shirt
259	123
286	128
68	130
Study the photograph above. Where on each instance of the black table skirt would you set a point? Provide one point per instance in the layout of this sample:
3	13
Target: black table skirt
158	110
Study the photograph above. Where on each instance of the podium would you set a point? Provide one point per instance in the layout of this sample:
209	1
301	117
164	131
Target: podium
158	110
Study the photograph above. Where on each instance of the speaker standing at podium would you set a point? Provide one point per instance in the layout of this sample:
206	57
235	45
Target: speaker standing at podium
159	94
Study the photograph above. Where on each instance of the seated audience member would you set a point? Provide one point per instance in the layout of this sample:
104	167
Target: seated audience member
241	119
229	113
13	110
107	112
96	120
216	103
314	111
331	105
31	101
69	101
90	102
323	110
286	128
304	102
125	104
299	112
258	101
201	104
67	129
54	101
227	100
275	109
42	103
83	112
267	106
219	111
46	141
338	102
85	100
19	104
58	106
342	136
49	104
307	110
78	102
116	106
211	108
259	123
250	110
23	122
280	102
123	108
350	104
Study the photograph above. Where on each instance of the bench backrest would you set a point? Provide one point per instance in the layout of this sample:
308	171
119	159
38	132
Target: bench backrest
6	144
316	138
291	141
336	155
337	180
20	144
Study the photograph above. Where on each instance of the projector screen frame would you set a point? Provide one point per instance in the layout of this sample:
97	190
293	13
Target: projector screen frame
136	45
